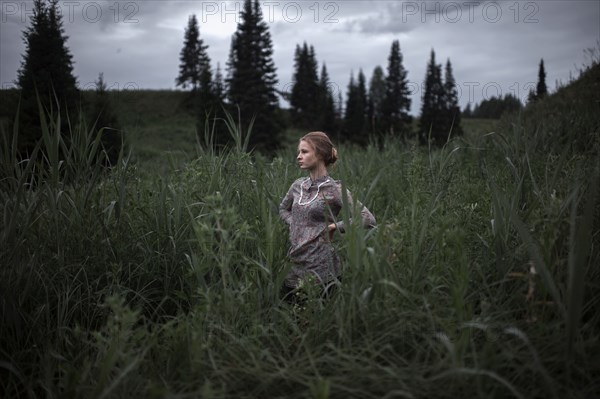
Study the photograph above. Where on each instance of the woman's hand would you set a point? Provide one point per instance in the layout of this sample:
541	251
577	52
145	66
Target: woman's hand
332	227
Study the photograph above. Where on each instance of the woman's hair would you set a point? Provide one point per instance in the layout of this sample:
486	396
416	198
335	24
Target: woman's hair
323	146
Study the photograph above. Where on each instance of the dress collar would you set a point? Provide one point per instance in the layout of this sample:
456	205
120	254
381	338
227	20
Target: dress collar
308	182
320	179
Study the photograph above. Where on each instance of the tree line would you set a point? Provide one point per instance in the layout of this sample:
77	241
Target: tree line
494	107
371	110
248	89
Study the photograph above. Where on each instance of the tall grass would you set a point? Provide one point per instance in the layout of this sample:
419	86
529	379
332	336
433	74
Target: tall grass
477	282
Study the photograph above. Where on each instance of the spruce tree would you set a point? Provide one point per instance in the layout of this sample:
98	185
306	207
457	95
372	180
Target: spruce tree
47	71
452	109
305	91
195	71
432	119
541	90
339	115
396	105
252	78
326	104
216	125
349	110
104	117
219	86
192	57
377	90
467	112
531	96
355	120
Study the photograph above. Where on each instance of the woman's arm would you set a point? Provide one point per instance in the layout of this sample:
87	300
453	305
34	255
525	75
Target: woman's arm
367	218
285	207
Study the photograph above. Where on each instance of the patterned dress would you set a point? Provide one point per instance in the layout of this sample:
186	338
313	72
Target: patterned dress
308	208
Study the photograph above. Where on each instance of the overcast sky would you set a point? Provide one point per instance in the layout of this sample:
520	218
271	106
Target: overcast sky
494	46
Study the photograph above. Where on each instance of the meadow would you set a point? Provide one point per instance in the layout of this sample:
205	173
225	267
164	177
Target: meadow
161	278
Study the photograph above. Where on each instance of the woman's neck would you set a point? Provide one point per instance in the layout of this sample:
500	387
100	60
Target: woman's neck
318	172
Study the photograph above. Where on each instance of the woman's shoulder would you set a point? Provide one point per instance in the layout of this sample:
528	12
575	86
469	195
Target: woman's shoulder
298	181
336	183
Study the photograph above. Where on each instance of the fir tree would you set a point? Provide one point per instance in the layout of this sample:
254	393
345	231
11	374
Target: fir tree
339	115
219	86
46	70
467	112
252	78
452	109
377	90
531	96
326	104
396	105
104	117
192	58
355	120
541	90
433	104
216	117
195	71
305	91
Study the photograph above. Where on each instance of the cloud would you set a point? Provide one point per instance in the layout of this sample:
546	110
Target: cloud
488	42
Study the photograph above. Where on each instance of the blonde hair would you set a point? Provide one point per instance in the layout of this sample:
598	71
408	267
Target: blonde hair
323	146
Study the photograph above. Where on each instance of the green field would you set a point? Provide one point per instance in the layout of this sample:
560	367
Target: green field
161	278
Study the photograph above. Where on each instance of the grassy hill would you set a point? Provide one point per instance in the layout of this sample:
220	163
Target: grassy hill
568	118
156	122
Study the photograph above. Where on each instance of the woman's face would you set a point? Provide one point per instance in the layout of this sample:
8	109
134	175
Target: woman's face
307	157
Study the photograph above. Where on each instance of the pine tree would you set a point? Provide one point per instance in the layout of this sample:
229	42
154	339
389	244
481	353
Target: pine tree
377	90
104	117
431	121
355	120
467	112
326	104
219	86
46	69
339	116
396	105
452	109
192	57
541	89
511	103
252	78
195	71
216	124
305	91
531	96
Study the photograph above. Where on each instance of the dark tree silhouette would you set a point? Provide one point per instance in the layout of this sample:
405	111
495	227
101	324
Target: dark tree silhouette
377	89
105	118
355	119
431	122
47	71
252	78
452	109
327	115
396	105
541	90
305	91
193	59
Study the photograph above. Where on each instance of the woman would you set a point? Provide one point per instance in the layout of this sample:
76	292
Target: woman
311	210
